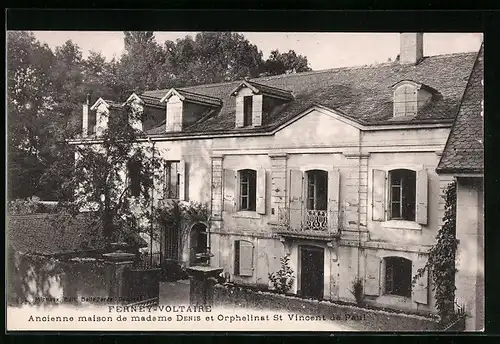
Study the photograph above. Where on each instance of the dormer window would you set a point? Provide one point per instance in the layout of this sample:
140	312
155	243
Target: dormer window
405	101
247	111
185	108
254	100
409	97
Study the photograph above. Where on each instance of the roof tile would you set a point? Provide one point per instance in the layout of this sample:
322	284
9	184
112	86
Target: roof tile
464	151
363	94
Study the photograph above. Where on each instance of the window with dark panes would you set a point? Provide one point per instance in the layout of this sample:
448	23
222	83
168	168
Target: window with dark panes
247	111
398	276
317	184
402	194
248	184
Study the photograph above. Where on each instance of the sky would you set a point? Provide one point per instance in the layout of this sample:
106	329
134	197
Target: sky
323	50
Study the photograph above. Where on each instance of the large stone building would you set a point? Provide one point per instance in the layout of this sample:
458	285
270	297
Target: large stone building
336	168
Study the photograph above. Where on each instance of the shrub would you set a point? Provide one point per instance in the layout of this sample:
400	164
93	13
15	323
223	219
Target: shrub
357	290
283	279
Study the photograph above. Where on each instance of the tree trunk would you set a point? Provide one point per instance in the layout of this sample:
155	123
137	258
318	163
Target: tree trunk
108	229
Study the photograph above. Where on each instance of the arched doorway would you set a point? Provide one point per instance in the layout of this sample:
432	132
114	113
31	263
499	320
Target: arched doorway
198	239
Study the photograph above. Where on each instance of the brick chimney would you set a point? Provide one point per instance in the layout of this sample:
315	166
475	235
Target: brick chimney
411	48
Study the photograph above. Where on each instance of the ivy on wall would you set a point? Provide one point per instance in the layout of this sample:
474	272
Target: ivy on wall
441	262
182	216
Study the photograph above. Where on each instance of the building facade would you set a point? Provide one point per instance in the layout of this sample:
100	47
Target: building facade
335	168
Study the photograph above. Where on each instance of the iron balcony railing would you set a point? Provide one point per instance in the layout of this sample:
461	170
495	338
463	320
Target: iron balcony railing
307	221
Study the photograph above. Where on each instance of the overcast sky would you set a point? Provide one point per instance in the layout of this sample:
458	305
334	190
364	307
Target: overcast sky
323	50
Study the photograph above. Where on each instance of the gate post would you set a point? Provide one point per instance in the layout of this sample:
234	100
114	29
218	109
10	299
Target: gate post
118	262
202	278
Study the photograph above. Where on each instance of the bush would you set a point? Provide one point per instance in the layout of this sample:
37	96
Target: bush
31	206
283	279
357	290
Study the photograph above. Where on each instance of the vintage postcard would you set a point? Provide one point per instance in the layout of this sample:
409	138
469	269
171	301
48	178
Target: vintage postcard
245	181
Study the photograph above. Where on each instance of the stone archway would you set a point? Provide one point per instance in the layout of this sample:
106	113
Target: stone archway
198	242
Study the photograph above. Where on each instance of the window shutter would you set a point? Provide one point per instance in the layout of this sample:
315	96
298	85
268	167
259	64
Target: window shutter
422	195
239	112
421	289
261	191
246	258
182	180
229	190
257	110
295	199
372	276
378	195
333	199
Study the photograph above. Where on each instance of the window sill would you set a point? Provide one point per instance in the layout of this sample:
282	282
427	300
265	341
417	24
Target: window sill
401	224
247	215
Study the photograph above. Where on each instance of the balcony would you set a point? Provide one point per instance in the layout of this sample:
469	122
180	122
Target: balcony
307	224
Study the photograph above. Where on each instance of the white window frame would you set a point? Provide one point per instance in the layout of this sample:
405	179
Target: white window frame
239	194
390	201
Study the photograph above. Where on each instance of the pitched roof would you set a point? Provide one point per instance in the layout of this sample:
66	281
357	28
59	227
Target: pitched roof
464	149
56	234
362	94
195	97
266	89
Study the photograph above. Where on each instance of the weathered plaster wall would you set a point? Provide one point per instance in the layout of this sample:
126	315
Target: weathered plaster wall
323	141
197	156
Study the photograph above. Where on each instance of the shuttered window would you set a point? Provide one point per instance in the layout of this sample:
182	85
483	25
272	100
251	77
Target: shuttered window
407	195
317	186
172	179
248	190
243	258
421	289
247	111
402	194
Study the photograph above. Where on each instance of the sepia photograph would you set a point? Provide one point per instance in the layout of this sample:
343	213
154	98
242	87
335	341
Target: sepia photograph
245	181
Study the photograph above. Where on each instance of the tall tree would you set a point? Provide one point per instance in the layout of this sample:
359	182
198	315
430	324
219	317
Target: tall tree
104	177
140	67
29	102
212	57
285	63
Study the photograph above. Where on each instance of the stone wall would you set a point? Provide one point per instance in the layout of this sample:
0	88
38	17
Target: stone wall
358	318
36	279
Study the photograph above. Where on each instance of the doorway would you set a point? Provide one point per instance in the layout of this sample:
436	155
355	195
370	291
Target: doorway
312	272
198	242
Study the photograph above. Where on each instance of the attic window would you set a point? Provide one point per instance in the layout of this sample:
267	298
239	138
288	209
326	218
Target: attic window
247	111
405	101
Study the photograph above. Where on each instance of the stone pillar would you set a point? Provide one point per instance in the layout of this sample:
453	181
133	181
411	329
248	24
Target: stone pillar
469	279
203	278
117	262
